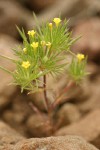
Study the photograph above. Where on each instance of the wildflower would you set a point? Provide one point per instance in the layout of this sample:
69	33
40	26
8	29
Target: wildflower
35	45
25	50
57	21
31	33
80	57
43	43
45	59
50	26
26	64
48	44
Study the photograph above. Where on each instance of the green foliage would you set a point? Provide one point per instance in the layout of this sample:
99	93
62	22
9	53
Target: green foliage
77	69
59	37
42	53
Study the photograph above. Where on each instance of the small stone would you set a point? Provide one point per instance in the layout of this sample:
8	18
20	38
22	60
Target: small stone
55	143
10	11
88	127
38	5
6	90
67	114
91	92
38	125
8	137
89	43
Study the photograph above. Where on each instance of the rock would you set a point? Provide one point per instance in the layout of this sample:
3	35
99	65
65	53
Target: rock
92	95
55	143
21	105
67	114
6	90
10	11
38	99
7	43
89	43
94	71
17	114
38	5
38	125
10	140
88	127
87	97
4	102
8	137
15	120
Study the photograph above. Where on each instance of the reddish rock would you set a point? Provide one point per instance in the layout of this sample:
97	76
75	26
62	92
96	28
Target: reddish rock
8	137
10	140
16	115
38	5
15	120
67	114
38	126
6	90
94	71
91	91
55	143
89	43
88	127
12	14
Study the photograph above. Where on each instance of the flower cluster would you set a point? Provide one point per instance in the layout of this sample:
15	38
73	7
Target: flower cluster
77	67
44	51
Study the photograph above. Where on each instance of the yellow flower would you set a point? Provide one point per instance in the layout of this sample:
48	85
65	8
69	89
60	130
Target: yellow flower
25	50
48	44
43	43
26	64
80	57
57	21
50	26
35	45
31	33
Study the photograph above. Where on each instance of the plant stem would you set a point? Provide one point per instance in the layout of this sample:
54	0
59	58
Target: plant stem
59	98
34	108
7	58
1	68
49	110
45	92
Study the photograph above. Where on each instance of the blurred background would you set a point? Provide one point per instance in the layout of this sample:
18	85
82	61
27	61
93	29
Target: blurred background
84	20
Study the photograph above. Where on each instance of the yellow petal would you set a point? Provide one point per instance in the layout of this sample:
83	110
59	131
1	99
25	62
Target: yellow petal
26	64
80	57
57	21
